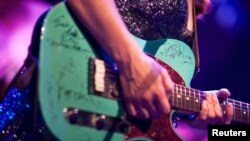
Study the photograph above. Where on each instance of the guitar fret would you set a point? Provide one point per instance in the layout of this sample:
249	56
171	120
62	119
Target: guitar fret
188	104
185	95
181	97
176	97
244	112
177	91
233	109
186	99
172	100
195	100
193	97
198	100
241	112
248	113
237	110
190	99
199	96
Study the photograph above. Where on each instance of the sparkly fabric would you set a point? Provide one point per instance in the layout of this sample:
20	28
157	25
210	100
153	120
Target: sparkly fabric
20	118
156	19
12	109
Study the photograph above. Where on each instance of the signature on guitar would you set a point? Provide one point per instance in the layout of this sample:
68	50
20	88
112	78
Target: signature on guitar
176	51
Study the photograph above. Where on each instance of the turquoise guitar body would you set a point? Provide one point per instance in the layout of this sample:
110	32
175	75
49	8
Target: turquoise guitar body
64	80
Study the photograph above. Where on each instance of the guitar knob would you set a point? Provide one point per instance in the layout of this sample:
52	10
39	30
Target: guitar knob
124	127
101	123
115	93
71	115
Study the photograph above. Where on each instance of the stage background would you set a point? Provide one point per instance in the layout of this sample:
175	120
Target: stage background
224	48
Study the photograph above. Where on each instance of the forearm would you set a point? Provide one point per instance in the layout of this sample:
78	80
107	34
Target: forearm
102	19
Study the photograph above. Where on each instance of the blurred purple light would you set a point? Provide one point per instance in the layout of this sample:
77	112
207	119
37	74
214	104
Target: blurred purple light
219	1
226	16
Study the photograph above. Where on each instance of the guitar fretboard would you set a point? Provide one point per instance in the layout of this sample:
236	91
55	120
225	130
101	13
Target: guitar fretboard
190	99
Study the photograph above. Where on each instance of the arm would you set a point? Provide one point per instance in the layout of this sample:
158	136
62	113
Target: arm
146	95
101	16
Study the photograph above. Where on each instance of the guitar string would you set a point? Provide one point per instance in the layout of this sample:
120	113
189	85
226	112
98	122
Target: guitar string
236	102
195	107
109	72
242	108
192	99
201	94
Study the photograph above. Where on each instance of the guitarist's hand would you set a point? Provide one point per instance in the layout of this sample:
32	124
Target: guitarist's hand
145	86
144	82
211	110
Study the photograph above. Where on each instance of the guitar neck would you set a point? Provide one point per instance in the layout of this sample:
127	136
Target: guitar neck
189	99
184	98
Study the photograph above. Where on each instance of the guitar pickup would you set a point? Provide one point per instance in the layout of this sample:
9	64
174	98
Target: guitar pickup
104	79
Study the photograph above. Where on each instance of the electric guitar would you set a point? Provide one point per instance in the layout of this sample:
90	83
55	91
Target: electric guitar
79	88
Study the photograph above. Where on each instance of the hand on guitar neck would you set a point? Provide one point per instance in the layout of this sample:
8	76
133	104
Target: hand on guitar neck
212	112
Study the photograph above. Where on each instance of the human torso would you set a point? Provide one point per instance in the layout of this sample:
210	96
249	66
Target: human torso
158	19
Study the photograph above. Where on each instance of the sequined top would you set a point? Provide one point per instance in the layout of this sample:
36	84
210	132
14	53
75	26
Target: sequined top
156	19
148	19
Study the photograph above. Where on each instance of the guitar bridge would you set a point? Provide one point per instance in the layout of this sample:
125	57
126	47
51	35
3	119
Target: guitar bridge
104	79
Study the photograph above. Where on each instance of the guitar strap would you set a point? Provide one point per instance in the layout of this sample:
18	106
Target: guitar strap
195	42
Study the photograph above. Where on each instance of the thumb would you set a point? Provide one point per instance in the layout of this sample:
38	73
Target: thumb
223	93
